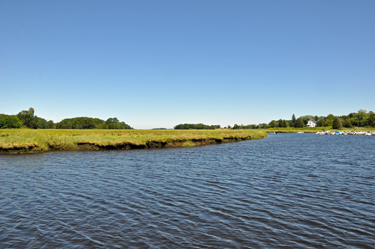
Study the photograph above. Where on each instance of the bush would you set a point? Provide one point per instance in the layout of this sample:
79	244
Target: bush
9	122
347	124
337	124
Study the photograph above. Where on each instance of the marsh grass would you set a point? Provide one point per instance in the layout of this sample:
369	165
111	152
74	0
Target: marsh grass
189	144
56	139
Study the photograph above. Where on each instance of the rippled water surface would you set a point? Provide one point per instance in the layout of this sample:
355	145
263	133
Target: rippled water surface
288	190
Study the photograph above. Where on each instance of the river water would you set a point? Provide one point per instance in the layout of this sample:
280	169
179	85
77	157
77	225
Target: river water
284	191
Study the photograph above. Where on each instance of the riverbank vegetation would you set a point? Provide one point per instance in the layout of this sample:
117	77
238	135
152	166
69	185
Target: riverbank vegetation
315	129
362	118
20	141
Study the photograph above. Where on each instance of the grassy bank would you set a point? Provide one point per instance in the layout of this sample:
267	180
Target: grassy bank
315	129
23	141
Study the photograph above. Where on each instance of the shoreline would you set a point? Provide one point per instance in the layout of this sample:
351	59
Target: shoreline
316	129
116	140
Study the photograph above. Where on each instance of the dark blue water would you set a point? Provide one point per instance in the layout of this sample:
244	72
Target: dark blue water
285	191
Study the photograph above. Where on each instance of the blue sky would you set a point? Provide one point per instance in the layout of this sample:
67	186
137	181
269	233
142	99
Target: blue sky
161	63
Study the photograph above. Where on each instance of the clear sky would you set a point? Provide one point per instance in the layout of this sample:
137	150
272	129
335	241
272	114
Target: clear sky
161	63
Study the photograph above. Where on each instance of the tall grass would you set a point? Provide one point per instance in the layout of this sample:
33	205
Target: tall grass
70	139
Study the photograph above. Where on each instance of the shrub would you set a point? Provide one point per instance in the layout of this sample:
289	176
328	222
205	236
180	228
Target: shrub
9	122
337	124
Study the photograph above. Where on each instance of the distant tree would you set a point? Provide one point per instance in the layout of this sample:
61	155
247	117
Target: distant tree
27	118
337	124
79	123
196	126
200	126
112	120
3	123
347	124
329	120
91	123
273	124
40	123
236	126
306	118
362	116
50	125
293	120
371	121
284	124
299	123
9	122
280	123
321	123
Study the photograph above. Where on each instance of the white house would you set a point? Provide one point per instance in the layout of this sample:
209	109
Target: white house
312	123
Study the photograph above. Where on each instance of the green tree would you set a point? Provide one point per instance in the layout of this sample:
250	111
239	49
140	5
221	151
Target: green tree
27	118
361	117
371	121
273	124
284	124
9	122
294	121
41	123
112	120
329	120
192	126
347	124
337	124
299	123
280	123
50	125
321	123
235	126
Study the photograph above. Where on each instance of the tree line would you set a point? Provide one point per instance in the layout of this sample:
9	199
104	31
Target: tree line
362	118
196	126
28	119
9	121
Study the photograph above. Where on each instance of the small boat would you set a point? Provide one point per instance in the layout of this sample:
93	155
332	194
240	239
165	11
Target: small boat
359	133
300	132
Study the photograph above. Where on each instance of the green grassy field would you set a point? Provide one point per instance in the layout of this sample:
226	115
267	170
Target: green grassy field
20	141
